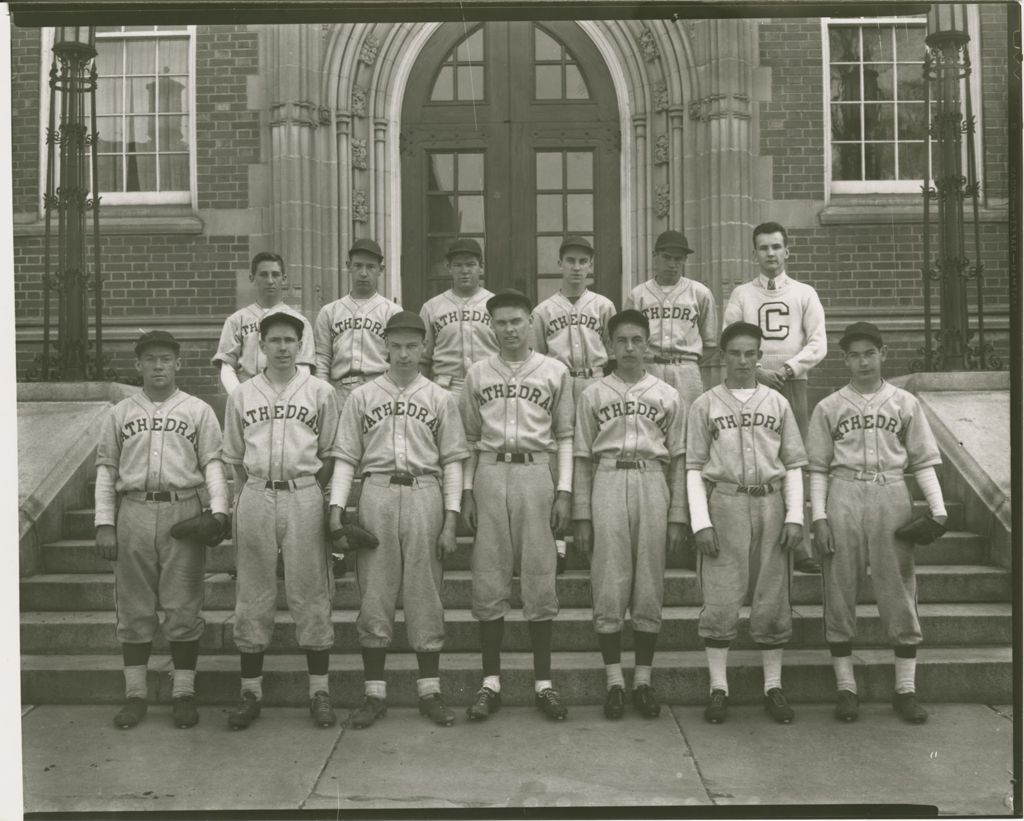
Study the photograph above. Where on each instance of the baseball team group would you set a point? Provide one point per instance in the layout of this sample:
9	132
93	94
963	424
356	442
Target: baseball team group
532	423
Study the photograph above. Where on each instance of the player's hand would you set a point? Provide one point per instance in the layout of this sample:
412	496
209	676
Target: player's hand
469	510
106	542
821	534
940	519
561	512
706	541
583	537
335	516
446	542
678	535
773	379
792	536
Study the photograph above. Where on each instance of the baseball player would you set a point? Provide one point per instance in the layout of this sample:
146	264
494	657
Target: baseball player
862	439
683	317
159	447
349	332
458	326
279	432
238	352
792	324
630	433
742	448
518	414
403	434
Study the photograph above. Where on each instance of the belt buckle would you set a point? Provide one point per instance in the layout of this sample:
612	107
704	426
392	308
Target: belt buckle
506	457
404	479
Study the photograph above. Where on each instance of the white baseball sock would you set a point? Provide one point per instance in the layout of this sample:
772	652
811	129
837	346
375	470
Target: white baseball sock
613	674
541	685
183	683
771	660
843	665
493	683
318	683
642	675
377	689
135	681
717	658
254	686
905	670
428	686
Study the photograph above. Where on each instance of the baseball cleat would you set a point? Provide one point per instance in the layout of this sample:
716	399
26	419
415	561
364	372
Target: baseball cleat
615	702
245	713
368	712
131	714
434	708
486	702
184	713
807	565
846	706
645	701
718	704
909	710
777	706
320	709
550	703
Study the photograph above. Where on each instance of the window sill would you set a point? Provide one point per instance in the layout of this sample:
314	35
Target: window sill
120	225
882	212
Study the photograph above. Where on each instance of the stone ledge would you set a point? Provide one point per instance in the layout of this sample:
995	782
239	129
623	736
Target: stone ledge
879	213
74	391
114	226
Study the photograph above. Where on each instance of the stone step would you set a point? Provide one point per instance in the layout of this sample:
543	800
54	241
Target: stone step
944	674
967	625
935	584
78	555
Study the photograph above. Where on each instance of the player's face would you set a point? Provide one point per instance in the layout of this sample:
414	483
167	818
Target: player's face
280	346
269	280
405	348
864	359
511	327
576	266
158	365
364	268
629	343
771	252
466	271
669	264
742	353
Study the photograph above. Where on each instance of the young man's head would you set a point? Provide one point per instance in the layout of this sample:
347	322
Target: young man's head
280	340
771	247
864	352
365	262
741	349
465	262
670	252
404	336
510	318
576	263
629	332
157	360
267	274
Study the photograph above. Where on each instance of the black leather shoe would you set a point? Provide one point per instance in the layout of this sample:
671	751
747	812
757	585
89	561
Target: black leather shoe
645	701
777	706
434	708
909	710
718	705
184	713
321	711
846	706
368	712
132	713
615	702
550	703
245	713
486	702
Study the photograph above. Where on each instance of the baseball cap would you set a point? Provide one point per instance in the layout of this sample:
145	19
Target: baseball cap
156	338
281	316
576	242
509	297
405	321
739	329
464	245
367	246
672	239
861	330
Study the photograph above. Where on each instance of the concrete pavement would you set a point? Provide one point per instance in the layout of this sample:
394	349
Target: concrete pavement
75	759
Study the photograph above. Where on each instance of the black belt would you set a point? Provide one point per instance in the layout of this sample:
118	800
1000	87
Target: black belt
671	360
403	479
514	458
582	372
623	464
161	496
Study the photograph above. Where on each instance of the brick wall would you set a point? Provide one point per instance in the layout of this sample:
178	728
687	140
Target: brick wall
25	119
994	86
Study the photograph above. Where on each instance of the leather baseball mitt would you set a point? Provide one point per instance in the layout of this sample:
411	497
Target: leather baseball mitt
202	529
351	536
922	530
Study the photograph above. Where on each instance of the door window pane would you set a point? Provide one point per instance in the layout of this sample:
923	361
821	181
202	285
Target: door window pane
545	47
471	215
580	169
580	208
442	173
548	83
549	170
440	214
444	85
547	254
556	73
461	75
471	50
575	85
471	172
549	212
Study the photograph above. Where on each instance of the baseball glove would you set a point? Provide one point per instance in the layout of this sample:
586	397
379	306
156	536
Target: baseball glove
351	536
922	530
202	529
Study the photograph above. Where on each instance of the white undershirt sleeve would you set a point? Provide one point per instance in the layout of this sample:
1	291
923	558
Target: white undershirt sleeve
303	367
565	464
216	486
469	470
793	489
341	482
697	495
928	481
819	495
451	485
228	377
106	496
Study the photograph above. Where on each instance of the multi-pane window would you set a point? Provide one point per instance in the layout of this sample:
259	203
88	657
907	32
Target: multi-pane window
461	76
564	205
556	75
455	201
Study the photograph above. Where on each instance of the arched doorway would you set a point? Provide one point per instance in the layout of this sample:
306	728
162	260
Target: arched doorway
510	134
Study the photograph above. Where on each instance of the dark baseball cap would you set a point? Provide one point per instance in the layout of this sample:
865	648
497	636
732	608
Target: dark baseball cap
281	316
861	330
576	242
739	329
151	338
509	297
367	246
464	245
405	321
672	239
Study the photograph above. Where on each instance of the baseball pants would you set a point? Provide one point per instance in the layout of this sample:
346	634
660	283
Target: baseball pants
581	383
513	535
452	384
407	521
863	517
630	515
795	391
292	521
154	570
343	389
750	567
683	376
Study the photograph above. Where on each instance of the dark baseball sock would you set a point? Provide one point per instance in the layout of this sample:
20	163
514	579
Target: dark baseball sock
373	663
136	654
317	662
491	634
643	647
722	643
611	647
429	664
540	641
905	651
252	665
185	654
840	649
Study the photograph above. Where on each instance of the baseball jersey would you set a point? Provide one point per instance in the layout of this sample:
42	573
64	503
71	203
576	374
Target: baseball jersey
388	429
574	333
684	320
883	434
791	320
745	443
523	409
616	420
239	344
163	446
459	332
349	336
282	435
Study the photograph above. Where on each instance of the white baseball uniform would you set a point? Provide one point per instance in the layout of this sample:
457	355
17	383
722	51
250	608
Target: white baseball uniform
575	333
459	333
239	345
